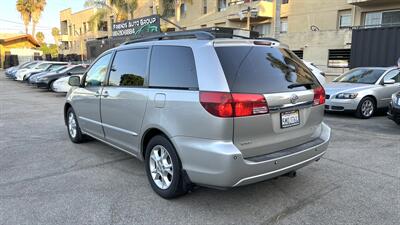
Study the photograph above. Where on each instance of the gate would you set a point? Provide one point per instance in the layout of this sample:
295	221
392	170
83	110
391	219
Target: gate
375	46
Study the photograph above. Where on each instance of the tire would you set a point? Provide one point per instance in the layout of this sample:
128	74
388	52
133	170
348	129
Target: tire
50	88
174	184
366	108
75	136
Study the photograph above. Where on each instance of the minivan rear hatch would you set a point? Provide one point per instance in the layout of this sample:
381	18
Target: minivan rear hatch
293	95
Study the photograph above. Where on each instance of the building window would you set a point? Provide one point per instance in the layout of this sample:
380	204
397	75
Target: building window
285	1
339	58
84	28
102	26
204	6
345	19
284	25
299	53
374	19
221	5
264	30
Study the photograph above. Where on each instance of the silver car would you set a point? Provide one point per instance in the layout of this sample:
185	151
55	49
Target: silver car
207	111
363	90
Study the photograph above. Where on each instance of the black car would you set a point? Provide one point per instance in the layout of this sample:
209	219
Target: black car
394	108
33	78
46	80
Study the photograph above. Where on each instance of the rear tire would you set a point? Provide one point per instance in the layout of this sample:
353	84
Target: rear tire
366	108
163	168
74	131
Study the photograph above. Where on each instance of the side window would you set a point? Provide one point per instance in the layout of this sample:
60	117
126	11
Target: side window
393	75
129	68
173	67
97	73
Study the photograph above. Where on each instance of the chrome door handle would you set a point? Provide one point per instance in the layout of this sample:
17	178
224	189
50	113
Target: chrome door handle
105	94
97	94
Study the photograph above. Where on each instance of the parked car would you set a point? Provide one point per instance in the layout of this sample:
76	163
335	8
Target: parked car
394	108
15	68
51	68
61	85
319	74
223	113
46	80
12	73
363	90
33	78
39	67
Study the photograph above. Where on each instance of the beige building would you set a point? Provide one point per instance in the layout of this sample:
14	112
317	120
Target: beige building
76	30
317	30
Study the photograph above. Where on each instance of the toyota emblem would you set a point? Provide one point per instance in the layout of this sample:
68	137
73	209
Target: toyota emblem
294	98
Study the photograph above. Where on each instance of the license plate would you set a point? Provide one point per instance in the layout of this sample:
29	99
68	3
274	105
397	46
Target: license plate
290	119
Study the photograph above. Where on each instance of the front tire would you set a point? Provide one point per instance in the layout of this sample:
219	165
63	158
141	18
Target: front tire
366	108
163	168
74	131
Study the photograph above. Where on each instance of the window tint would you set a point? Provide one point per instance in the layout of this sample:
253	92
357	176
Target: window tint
393	75
263	69
129	68
173	67
97	73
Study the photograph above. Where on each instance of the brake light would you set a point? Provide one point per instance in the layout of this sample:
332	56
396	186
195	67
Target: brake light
319	96
224	104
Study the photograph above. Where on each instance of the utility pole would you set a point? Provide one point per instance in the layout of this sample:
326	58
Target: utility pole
249	15
277	19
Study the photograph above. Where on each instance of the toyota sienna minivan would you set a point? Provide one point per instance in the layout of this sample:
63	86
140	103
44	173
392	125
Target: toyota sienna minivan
215	112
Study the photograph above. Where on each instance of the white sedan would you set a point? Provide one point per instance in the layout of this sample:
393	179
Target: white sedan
317	72
61	85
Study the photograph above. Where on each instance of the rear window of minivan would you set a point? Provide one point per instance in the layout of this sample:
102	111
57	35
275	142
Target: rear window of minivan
261	69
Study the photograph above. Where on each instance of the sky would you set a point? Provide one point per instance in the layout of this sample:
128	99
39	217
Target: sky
11	22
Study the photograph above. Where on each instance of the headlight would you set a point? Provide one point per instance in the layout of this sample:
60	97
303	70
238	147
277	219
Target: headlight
347	96
396	99
43	78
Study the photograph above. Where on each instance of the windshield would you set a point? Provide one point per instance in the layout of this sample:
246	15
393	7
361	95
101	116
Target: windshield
361	75
30	66
59	69
65	69
42	66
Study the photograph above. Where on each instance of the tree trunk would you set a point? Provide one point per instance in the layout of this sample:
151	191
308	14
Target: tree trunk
33	29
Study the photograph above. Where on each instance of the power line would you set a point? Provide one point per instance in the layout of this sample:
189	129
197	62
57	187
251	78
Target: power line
19	23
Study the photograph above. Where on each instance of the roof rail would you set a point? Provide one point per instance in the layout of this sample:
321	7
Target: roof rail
199	35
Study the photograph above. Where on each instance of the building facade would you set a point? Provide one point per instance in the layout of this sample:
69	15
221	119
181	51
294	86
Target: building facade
317	30
23	45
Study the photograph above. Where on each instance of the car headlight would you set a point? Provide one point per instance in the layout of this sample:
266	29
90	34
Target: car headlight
43	78
396	99
346	95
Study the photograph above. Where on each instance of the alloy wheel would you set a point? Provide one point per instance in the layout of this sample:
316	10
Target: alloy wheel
161	167
72	125
367	108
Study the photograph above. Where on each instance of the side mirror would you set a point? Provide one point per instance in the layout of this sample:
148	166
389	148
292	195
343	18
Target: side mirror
69	73
390	81
74	81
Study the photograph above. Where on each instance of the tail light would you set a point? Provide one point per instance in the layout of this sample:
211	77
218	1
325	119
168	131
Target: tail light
223	104
319	96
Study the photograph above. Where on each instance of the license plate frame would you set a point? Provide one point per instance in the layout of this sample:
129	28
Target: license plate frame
290	115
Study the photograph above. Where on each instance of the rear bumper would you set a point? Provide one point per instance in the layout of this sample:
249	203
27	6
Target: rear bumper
340	105
221	164
394	114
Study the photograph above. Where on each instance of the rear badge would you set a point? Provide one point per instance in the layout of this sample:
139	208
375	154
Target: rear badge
294	98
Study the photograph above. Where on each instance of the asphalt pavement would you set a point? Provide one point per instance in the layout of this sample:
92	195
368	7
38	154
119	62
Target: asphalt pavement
46	179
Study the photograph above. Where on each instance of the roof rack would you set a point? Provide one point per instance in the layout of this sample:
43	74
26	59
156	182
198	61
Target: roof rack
210	33
199	35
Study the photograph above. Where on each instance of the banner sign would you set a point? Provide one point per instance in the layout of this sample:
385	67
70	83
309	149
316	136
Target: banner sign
137	27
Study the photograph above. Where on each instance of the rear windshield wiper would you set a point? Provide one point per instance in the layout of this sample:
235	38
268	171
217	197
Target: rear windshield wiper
307	85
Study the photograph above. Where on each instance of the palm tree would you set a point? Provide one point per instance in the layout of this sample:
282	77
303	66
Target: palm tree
24	7
37	9
40	37
56	34
120	9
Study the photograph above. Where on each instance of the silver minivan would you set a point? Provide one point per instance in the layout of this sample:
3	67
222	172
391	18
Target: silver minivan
215	112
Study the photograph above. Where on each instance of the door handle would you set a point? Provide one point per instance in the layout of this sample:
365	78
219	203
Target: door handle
97	94
105	94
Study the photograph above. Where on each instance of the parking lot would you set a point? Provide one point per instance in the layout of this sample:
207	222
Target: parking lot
46	179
